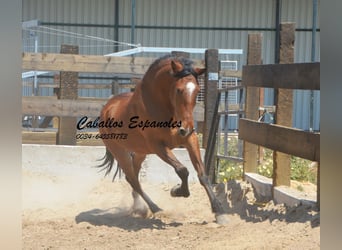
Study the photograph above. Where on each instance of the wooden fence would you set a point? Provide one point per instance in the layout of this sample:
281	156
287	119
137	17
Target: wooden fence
280	137
66	105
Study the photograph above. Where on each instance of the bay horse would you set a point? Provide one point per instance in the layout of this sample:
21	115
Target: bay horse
154	119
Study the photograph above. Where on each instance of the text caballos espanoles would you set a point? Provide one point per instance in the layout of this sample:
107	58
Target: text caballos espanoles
134	122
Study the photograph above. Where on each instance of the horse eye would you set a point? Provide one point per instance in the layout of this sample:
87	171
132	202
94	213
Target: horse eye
179	91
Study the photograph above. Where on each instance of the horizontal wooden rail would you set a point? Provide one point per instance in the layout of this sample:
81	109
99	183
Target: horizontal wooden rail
38	137
89	63
49	138
230	73
287	76
81	85
51	106
283	139
85	63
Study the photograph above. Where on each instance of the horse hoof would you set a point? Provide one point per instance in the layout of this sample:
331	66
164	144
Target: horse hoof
155	209
176	191
222	219
141	212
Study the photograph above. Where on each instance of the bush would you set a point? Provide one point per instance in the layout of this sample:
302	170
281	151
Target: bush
301	169
266	167
229	170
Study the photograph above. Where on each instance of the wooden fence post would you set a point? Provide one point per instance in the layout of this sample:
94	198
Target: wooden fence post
115	87
284	106
210	90
254	56
318	185
210	98
68	89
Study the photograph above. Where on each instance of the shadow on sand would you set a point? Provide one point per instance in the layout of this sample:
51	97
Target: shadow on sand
236	197
122	218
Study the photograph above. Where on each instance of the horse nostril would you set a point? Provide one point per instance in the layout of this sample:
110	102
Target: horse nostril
182	131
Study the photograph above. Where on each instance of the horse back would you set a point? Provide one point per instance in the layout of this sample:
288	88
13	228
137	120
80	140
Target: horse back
116	104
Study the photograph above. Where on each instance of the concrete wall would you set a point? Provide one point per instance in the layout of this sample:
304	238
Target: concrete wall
80	160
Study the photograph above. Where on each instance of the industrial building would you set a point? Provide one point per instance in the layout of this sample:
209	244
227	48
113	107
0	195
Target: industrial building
109	26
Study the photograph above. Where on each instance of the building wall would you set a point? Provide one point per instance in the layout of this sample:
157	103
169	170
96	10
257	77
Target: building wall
177	23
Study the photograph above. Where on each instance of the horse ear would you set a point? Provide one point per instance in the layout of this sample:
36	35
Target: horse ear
176	67
200	71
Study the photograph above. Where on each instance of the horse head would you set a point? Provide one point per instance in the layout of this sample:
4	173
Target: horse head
184	92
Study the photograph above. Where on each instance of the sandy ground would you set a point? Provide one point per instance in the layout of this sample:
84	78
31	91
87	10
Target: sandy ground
66	212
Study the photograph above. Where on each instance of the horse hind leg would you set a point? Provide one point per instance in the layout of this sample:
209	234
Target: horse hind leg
131	166
134	182
139	206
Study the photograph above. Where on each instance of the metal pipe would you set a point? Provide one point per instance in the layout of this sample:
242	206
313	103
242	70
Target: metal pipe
133	21
313	56
277	29
170	49
35	77
165	27
35	83
116	25
314	30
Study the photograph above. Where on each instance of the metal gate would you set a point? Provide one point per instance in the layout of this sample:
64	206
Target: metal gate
223	146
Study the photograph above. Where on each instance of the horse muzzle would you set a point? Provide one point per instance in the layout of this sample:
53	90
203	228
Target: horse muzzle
185	131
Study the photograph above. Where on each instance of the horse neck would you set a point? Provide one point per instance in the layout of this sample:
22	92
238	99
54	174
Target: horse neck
155	95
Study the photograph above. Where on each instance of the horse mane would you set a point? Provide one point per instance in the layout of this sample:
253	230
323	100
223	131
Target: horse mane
187	65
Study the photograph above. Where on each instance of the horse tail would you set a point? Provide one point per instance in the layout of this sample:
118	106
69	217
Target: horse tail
107	164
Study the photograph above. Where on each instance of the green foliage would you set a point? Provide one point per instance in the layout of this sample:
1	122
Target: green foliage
301	170
229	170
266	167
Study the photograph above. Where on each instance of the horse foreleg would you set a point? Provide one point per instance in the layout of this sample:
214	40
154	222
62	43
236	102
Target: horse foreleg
194	152
183	189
